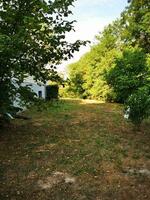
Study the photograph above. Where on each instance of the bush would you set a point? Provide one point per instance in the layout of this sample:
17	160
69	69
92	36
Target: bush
52	92
129	73
138	106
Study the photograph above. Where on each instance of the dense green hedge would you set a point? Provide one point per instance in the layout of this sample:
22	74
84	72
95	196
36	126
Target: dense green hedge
52	92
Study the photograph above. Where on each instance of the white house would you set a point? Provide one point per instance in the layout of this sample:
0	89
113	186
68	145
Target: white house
38	88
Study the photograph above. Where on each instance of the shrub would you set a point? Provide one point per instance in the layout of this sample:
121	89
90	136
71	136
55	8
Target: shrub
52	92
129	73
138	106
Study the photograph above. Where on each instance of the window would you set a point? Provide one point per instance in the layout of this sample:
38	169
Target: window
40	94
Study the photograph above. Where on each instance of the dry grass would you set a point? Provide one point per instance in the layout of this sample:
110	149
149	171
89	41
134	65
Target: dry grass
78	150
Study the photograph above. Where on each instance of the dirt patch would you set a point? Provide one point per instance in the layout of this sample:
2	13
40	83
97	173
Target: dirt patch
87	101
32	175
55	179
44	148
143	172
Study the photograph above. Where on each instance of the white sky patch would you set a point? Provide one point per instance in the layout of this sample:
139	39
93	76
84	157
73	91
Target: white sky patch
87	29
92	2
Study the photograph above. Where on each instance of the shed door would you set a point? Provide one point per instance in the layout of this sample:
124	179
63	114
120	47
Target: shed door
40	94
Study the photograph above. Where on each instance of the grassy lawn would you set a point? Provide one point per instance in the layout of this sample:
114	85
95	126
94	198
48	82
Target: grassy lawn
75	150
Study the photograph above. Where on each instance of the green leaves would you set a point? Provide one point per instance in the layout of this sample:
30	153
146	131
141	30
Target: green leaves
32	35
118	66
128	74
136	23
90	68
139	104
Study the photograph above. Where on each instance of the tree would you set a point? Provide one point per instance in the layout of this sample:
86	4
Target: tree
76	80
129	73
130	81
117	68
136	24
90	68
32	35
138	105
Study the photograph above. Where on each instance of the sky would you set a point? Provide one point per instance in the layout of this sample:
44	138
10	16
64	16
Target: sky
91	16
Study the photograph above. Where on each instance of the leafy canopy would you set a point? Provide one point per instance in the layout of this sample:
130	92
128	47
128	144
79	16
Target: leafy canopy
117	68
32	35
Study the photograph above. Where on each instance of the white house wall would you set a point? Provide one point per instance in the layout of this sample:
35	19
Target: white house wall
36	88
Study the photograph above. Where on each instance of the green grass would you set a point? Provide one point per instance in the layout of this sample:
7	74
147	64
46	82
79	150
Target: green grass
90	141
